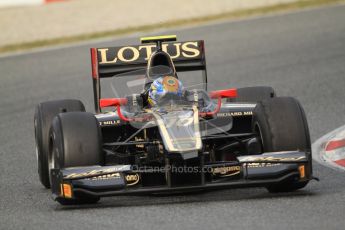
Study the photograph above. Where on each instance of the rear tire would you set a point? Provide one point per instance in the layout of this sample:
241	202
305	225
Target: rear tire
75	140
44	114
254	94
282	126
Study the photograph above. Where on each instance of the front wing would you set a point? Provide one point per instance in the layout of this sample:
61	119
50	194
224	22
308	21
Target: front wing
248	171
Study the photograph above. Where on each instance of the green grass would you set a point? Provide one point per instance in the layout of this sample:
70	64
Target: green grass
170	24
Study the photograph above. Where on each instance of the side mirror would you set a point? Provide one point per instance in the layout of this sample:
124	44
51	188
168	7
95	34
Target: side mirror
109	102
225	93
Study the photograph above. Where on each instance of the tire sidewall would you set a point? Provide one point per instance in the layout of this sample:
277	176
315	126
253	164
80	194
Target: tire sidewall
271	126
68	147
42	159
261	128
44	114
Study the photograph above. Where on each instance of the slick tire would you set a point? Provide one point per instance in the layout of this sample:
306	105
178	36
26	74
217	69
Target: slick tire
44	114
254	94
282	126
74	141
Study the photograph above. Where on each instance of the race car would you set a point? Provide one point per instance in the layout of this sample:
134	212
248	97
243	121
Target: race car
159	127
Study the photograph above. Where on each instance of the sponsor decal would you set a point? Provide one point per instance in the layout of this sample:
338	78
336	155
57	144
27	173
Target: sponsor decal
95	172
271	158
132	179
235	114
105	177
128	54
102	123
226	171
261	165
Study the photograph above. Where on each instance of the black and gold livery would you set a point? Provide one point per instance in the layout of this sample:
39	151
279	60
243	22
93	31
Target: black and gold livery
251	138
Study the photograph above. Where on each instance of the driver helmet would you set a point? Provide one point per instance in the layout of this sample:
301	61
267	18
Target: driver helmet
163	86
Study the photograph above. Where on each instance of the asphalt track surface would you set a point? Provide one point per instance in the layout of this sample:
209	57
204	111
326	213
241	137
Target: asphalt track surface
300	54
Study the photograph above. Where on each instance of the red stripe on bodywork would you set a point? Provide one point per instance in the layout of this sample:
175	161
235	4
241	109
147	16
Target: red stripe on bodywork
225	93
335	145
94	64
108	102
340	162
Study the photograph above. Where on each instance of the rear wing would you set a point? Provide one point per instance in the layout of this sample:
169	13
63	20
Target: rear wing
110	61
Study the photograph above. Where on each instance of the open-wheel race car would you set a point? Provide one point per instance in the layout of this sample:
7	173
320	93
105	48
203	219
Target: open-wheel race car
159	128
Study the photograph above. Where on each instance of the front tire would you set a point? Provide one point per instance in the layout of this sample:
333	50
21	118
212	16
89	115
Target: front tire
282	126
75	140
44	114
